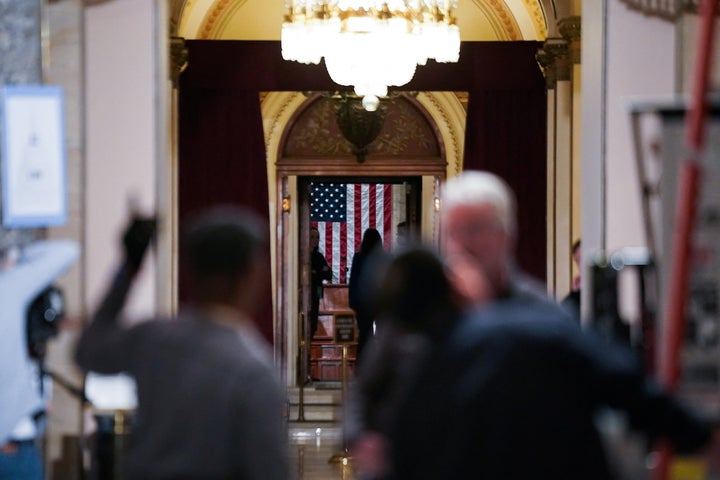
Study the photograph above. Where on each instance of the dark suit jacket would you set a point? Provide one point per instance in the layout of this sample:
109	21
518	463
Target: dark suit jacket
512	393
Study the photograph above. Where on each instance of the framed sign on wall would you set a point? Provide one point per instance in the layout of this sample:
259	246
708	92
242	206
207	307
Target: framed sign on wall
34	186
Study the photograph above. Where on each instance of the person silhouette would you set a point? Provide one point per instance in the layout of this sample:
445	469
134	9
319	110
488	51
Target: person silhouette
319	271
210	404
571	302
367	265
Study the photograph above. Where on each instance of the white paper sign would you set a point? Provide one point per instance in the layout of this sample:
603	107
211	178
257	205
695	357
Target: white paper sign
33	157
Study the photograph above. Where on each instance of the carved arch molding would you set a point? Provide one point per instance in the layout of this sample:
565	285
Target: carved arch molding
497	12
432	124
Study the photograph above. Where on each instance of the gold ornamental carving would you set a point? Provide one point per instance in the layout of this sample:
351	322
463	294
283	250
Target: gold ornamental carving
455	142
313	133
279	117
215	15
404	131
177	7
571	29
178	59
538	17
554	60
501	19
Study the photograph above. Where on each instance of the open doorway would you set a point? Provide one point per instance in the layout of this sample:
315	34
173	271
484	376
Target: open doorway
308	146
339	210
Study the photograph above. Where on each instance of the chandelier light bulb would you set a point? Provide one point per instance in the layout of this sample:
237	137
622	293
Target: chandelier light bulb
370	103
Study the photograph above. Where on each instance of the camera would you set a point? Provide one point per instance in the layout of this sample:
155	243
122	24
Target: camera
44	315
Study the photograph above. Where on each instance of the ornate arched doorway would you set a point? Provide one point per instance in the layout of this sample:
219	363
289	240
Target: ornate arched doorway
408	157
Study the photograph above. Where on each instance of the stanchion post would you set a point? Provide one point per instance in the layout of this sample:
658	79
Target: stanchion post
343	374
343	457
345	334
303	365
301	462
120	431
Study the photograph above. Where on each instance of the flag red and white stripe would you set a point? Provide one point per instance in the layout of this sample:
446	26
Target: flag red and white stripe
366	206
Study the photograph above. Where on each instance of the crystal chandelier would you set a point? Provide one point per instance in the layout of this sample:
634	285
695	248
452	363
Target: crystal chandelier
370	44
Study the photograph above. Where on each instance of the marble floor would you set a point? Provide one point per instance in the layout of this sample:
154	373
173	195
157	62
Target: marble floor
312	446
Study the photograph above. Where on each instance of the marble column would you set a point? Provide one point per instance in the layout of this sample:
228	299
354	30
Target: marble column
63	65
167	268
559	58
21	63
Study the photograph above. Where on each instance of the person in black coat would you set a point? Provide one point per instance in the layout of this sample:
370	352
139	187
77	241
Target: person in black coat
571	302
416	303
320	270
512	393
367	266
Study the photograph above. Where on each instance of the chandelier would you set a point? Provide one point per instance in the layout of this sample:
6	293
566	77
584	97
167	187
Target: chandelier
370	44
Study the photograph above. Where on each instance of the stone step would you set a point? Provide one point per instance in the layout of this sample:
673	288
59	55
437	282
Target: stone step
316	413
317	393
309	432
322	402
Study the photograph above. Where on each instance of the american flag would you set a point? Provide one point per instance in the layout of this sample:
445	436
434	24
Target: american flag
341	213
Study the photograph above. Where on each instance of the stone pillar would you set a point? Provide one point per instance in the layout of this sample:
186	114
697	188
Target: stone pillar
168	208
20	45
546	61
570	29
171	61
63	66
41	42
559	58
21	54
554	59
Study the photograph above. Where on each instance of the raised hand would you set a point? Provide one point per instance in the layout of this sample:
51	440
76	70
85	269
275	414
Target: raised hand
136	239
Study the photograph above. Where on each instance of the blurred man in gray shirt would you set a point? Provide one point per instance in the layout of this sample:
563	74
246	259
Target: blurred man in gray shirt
209	403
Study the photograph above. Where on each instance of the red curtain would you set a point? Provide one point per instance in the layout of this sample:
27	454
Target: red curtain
222	151
222	161
506	135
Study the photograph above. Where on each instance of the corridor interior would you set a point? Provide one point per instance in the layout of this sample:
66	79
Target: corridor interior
316	451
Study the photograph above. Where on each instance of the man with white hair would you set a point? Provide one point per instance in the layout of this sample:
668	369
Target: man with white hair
478	225
514	388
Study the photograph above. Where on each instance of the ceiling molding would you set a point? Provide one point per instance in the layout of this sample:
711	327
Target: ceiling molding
217	17
450	117
537	15
177	9
501	19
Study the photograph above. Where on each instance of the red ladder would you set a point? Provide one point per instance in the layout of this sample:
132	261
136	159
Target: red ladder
685	209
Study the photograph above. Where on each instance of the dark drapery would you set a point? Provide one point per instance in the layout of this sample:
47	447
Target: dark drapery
222	151
506	135
222	161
